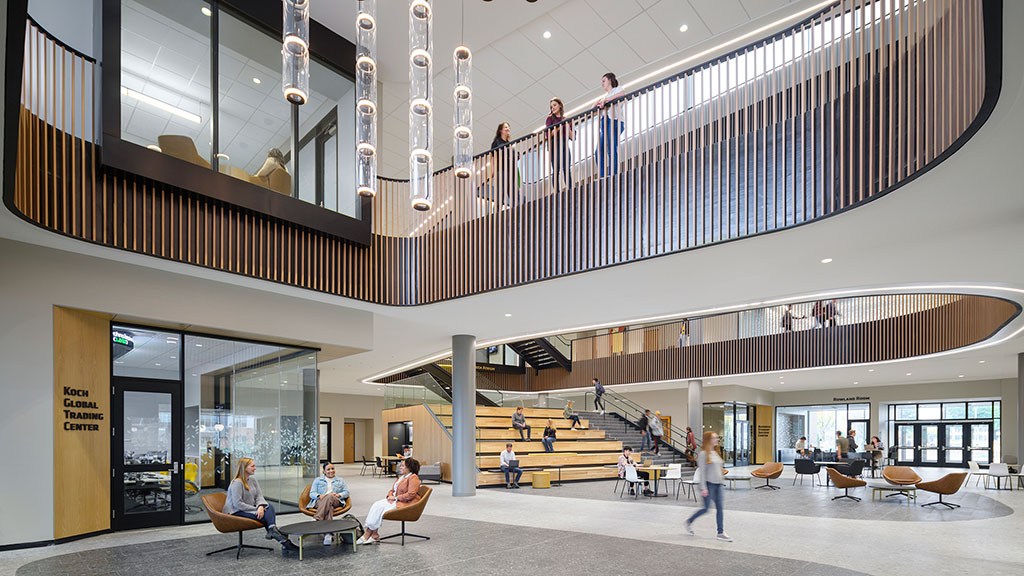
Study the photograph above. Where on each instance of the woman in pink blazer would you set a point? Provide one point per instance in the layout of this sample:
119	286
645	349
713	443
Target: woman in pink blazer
404	492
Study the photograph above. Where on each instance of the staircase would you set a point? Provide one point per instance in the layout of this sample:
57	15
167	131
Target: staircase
444	385
540	354
615	427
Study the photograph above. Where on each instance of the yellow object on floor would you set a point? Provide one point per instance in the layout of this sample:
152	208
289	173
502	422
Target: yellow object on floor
542	479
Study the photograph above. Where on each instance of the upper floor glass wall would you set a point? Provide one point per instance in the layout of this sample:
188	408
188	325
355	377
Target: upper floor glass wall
167	90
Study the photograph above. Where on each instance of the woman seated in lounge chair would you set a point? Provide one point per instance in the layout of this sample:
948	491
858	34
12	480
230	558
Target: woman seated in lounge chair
404	492
246	499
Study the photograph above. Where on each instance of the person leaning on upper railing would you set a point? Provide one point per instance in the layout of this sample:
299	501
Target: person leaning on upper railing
610	127
503	171
558	144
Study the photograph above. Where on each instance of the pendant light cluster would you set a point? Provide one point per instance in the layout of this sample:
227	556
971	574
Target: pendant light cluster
462	63
366	98
295	51
421	99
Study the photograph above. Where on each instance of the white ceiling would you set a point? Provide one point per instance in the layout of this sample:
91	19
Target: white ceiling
516	71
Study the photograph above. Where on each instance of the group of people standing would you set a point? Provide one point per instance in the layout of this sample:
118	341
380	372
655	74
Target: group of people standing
557	137
825	314
328	491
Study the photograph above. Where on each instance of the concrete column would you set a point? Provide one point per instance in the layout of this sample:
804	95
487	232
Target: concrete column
695	407
463	415
1020	409
542	400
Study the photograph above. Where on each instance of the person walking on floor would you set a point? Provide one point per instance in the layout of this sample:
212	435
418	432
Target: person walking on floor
645	435
691	446
656	429
709	464
598	392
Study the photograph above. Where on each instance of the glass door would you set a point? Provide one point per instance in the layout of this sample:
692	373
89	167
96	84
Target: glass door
980	447
862	430
954	447
906	447
148	444
928	453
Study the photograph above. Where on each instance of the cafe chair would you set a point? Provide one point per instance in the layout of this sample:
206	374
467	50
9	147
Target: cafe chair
367	464
304	503
181	147
806	468
844	482
852	468
975	470
946	486
768	471
998	471
409	513
633	481
226	523
674	473
380	468
691	486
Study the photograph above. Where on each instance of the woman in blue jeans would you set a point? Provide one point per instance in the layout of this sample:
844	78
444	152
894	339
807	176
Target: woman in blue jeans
549	437
610	126
710	467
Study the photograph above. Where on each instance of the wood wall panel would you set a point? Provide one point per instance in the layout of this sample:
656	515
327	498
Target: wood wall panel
81	459
430	442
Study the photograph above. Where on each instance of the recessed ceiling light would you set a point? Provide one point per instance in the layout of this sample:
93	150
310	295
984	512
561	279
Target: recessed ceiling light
960	376
871	369
856	382
206	11
780	377
195	374
174	357
118	361
826	260
199	345
285	381
158	149
684	28
508	315
908	373
256	80
156	364
981	361
781	382
547	34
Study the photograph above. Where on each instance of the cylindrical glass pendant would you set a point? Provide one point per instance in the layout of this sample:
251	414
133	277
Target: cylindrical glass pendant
295	51
366	97
463	121
421	94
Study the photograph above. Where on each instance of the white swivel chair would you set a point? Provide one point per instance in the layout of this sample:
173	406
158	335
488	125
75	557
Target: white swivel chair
633	481
977	472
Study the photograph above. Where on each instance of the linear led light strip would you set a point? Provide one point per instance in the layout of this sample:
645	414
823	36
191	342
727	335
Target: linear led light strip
161	105
778	301
703	53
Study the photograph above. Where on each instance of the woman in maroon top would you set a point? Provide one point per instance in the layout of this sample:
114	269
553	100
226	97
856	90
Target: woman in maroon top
558	139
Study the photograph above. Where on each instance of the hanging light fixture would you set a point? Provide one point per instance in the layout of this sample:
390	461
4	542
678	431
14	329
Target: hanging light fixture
462	63
366	98
295	51
421	88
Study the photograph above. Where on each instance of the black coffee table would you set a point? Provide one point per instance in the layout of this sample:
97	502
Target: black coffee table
313	528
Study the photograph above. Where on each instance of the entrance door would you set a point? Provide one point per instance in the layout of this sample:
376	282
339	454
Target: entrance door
979	448
938	444
350	442
954	445
148	445
906	446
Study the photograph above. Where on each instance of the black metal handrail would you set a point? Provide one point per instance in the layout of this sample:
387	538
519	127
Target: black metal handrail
631	412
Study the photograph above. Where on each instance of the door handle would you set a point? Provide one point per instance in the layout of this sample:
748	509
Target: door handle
175	467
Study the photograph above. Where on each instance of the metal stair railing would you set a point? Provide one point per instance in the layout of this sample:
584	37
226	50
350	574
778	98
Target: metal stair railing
630	412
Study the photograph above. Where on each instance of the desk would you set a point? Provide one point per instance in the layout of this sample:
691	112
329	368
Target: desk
389	463
319	528
656	470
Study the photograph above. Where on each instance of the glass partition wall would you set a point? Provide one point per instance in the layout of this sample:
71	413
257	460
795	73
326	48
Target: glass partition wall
819	424
732	422
240	399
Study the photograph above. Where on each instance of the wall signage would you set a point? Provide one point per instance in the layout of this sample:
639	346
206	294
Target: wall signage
122	342
78	407
850	398
764	431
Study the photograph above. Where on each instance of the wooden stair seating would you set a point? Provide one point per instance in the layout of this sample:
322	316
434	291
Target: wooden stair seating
579	454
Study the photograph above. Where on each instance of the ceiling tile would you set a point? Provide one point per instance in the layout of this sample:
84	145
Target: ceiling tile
720	15
615	12
487	92
616	55
646	38
525	54
562	84
581	21
560	46
587	69
757	8
669	15
500	69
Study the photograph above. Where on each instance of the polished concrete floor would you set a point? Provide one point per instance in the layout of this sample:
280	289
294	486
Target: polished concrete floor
584	528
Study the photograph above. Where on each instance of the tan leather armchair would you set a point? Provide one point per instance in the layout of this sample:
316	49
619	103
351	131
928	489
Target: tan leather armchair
304	503
946	486
181	147
844	482
902	475
226	523
768	471
409	513
280	181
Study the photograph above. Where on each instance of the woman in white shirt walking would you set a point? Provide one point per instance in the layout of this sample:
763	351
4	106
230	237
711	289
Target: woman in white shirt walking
608	140
710	468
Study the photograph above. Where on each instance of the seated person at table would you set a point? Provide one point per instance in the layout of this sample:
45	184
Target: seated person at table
519	423
876	448
842	446
404	492
801	446
626	459
549	437
506	457
245	499
569	414
327	493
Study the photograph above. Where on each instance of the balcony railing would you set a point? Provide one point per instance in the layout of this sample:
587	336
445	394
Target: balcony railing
847	105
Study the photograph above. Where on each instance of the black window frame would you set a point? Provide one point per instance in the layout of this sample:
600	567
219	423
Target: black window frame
326	47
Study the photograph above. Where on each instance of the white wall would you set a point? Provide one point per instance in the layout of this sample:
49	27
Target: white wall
73	21
354	407
35	279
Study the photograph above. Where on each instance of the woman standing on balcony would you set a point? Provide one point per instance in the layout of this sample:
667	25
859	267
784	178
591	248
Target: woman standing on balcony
503	163
558	143
608	140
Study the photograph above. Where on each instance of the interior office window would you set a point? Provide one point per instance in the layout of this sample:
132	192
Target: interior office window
954	411
145	353
859	411
165	77
979	410
254	118
327	141
906	412
929	412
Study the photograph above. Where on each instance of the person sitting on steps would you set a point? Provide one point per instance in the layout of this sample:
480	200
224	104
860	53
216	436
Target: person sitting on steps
549	437
519	423
569	414
507	456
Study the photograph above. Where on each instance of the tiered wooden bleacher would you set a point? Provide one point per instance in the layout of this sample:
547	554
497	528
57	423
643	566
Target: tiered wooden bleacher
579	454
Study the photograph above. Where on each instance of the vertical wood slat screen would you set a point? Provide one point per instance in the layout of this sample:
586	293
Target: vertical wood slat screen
832	112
